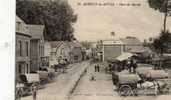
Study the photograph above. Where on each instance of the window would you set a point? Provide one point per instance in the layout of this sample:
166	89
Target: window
27	49
75	57
18	26
40	50
27	68
20	48
19	69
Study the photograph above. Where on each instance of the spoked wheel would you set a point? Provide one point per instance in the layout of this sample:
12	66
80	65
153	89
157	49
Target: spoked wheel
125	90
19	94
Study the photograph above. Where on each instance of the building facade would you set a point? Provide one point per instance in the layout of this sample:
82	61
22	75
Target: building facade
76	52
108	49
63	50
36	46
22	47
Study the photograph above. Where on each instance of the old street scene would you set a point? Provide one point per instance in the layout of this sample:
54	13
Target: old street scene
93	50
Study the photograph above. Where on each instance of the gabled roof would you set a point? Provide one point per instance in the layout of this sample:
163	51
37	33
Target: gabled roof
131	40
56	44
17	19
21	27
110	42
37	31
75	44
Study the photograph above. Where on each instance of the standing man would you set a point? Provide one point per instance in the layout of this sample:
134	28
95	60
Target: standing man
134	65
95	68
129	65
98	68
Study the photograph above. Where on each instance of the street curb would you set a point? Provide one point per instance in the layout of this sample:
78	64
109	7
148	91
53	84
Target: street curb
76	81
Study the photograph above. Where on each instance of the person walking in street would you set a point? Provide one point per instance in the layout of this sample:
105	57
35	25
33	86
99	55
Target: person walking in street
92	77
98	68
34	91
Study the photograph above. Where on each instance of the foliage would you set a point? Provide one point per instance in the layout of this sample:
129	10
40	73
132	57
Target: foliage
86	44
163	6
57	16
158	5
162	44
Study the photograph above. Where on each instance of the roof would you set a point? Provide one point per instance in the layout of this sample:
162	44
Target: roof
131	40
21	27
136	49
36	31
56	44
17	19
124	56
74	44
109	42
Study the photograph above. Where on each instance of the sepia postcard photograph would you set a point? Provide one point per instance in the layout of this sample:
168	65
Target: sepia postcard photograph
92	50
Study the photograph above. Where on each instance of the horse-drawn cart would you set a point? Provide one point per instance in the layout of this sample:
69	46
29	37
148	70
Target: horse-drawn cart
152	83
25	82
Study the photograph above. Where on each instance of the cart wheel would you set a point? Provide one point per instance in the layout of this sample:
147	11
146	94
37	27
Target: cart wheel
19	94
125	90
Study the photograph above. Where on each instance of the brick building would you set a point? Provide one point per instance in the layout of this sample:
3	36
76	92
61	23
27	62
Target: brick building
22	47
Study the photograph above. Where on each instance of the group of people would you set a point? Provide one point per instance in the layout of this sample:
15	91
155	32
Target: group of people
132	65
129	64
97	68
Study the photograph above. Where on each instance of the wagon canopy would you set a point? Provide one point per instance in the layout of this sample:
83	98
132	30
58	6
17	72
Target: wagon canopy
143	70
128	78
157	74
29	78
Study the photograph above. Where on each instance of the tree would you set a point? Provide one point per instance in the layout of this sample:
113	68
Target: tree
163	6
162	44
57	16
86	44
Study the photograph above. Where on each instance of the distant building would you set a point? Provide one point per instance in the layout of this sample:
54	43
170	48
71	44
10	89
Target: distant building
76	52
22	47
57	50
107	49
36	46
132	44
69	51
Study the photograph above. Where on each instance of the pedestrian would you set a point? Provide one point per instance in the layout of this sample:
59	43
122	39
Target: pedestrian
98	68
34	91
129	65
134	65
95	67
92	77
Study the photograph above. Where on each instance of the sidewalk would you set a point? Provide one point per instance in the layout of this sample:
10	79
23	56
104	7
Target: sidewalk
62	85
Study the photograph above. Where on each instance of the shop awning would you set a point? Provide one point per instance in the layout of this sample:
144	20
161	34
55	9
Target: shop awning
112	60
125	56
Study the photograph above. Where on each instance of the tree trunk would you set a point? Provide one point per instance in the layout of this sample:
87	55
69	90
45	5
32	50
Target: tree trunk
165	16
165	20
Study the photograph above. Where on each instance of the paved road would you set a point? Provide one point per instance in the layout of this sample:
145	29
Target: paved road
102	89
58	89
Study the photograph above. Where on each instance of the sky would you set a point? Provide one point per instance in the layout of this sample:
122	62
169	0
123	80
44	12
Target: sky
97	22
